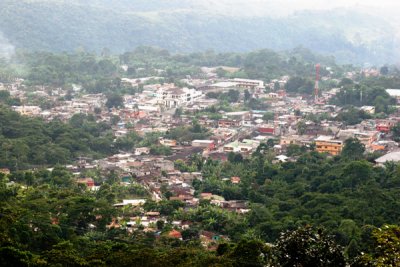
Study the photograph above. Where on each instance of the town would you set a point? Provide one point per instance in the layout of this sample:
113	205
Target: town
206	116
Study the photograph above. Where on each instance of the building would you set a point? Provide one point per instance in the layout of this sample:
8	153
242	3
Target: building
210	144
226	123
395	93
142	151
368	109
365	137
390	157
327	144
249	84
239	115
219	87
384	126
266	129
246	146
28	110
177	97
168	142
300	140
89	182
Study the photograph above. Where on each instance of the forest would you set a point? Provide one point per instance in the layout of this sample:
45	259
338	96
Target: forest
30	142
100	72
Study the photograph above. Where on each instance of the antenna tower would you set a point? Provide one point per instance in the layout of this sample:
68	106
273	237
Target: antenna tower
316	88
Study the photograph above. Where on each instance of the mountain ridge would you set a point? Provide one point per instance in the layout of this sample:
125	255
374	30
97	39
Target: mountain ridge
353	37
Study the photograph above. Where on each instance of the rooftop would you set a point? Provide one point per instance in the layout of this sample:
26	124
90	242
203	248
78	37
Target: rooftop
392	156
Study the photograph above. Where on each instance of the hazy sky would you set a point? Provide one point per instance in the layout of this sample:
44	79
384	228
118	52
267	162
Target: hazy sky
343	3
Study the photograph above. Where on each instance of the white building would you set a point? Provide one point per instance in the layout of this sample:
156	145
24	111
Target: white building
394	93
249	84
177	97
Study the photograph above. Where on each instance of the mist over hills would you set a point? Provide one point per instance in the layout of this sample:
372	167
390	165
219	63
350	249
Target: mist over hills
352	36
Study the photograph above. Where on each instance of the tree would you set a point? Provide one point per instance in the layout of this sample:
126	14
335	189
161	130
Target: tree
353	149
395	130
299	85
114	101
160	224
385	250
301	127
381	104
64	254
190	233
307	246
277	86
268	116
235	157
384	70
247	95
345	82
249	253
11	256
356	173
233	96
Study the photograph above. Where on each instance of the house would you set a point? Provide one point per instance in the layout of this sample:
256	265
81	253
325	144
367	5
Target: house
235	180
327	144
168	142
5	171
389	157
207	237
300	140
246	146
89	182
395	93
227	123
238	115
368	109
206	195
142	151
384	126
267	129
218	156
235	205
209	144
132	202
28	110
273	95
365	137
282	158
175	234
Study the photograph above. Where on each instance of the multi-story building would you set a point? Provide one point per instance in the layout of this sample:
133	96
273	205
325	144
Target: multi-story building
249	84
327	144
226	123
209	144
177	97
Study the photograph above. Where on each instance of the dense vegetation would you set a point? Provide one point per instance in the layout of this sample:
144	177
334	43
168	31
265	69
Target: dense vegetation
103	73
368	92
47	219
27	142
314	190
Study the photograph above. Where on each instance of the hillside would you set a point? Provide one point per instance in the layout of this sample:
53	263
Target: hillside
187	26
